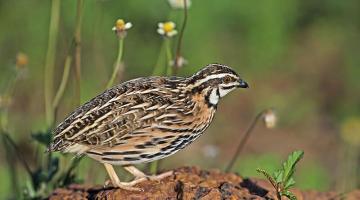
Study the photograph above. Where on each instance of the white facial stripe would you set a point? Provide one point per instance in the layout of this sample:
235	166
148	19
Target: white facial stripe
214	98
233	84
224	92
214	76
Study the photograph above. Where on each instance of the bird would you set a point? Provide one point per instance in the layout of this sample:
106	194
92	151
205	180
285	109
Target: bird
145	119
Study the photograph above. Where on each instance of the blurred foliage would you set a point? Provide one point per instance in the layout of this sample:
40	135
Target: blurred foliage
350	130
45	177
282	179
299	56
268	41
250	162
312	176
309	175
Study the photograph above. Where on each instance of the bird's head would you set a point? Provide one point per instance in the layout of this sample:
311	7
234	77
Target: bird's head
215	81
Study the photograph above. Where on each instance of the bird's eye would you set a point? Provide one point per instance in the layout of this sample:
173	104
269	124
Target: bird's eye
227	79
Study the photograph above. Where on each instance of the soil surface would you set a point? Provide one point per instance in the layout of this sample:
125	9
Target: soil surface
194	183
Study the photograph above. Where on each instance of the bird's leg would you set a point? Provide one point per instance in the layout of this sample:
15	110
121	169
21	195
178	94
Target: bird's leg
140	176
135	172
116	181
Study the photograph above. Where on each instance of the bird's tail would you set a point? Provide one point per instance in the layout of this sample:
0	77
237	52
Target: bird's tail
55	146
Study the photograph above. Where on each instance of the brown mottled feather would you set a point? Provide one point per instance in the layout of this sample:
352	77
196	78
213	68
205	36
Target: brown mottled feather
116	112
142	119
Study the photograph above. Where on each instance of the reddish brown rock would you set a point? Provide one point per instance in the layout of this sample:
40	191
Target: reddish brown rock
192	183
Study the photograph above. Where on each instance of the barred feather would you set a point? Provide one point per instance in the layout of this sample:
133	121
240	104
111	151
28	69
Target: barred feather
144	119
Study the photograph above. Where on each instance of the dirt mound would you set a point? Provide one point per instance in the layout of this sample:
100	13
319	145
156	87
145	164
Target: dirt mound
193	183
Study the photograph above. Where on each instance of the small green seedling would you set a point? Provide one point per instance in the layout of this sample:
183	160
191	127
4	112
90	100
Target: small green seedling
282	179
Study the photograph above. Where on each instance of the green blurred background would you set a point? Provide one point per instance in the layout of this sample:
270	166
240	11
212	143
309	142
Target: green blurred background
300	57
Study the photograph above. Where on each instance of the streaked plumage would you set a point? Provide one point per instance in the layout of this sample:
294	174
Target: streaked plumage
145	119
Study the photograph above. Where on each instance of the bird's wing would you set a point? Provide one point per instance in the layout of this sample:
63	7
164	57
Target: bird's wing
131	115
119	111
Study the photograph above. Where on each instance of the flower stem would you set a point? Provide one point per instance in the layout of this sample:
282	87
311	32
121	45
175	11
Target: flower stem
11	161
4	119
117	63
77	39
169	70
154	165
158	70
50	61
8	94
178	49
244	139
63	83
11	143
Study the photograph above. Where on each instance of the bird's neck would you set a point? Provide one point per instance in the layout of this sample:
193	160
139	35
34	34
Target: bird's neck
212	97
209	94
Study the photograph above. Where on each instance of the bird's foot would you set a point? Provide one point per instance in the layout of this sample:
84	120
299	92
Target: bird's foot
107	183
125	185
154	177
139	177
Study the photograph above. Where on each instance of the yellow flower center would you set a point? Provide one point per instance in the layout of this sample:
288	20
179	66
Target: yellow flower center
350	131
21	60
168	27
120	24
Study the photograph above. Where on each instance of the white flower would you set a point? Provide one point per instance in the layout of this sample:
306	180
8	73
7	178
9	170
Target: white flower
210	151
121	27
167	29
270	118
179	4
181	62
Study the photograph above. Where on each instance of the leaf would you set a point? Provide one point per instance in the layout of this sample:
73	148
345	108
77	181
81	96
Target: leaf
43	137
53	168
69	176
270	178
282	179
278	176
289	165
289	195
289	183
38	177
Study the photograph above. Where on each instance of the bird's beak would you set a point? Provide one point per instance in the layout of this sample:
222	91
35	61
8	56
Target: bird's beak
243	84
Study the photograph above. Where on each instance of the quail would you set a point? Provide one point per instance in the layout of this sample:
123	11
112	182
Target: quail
144	120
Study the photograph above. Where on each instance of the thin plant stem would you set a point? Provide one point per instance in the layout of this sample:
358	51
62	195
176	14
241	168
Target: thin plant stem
50	61
243	140
158	69
278	196
154	167
65	175
10	141
179	44
169	70
63	83
117	63
12	170
7	141
77	39
4	114
4	119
